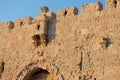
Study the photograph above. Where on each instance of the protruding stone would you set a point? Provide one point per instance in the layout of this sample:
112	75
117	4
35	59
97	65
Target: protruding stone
44	9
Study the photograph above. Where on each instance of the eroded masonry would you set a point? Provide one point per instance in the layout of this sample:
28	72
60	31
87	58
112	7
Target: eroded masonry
63	46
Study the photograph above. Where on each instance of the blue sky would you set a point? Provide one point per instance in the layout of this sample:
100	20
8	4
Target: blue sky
10	10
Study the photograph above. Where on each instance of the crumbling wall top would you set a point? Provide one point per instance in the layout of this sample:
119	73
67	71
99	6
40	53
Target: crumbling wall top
23	21
91	8
110	4
46	14
67	12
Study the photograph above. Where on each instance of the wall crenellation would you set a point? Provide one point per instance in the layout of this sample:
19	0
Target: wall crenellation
91	8
67	12
62	46
110	4
71	11
23	21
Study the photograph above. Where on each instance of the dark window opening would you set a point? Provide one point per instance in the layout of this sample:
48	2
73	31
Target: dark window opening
38	27
36	39
65	13
21	23
115	4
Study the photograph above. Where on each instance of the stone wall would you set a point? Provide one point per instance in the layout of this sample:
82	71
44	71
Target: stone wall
62	46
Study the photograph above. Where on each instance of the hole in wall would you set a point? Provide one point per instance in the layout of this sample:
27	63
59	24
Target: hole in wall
21	23
94	78
36	39
65	13
115	3
106	42
38	27
38	74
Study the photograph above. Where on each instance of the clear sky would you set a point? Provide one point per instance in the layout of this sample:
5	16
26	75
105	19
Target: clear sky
13	9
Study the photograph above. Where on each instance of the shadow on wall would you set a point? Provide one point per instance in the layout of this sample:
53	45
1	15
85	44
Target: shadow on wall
106	42
51	31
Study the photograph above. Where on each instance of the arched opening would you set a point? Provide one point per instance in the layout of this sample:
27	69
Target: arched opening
38	74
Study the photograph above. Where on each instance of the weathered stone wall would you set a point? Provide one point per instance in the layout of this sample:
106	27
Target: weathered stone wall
78	47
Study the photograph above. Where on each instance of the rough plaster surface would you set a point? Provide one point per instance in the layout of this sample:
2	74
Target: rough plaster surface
79	47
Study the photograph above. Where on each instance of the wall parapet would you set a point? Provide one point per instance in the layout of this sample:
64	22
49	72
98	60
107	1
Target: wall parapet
23	21
86	9
111	4
67	12
91	8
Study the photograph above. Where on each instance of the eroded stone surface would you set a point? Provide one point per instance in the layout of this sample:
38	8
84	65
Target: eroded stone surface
79	47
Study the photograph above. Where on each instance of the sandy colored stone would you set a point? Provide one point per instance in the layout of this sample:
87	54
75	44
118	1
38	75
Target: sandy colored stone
63	46
67	12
